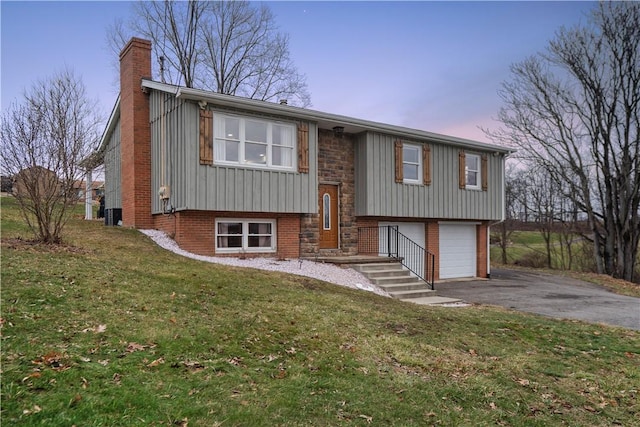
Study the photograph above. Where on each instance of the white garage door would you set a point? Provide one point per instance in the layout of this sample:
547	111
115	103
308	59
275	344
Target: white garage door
457	250
413	231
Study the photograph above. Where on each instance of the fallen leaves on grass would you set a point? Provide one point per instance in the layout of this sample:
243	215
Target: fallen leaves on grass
367	418
53	360
117	378
134	346
75	400
235	361
33	410
348	347
271	357
32	375
192	366
96	330
156	362
181	423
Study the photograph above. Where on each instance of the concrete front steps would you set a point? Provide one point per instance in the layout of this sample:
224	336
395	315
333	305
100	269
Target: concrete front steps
396	280
390	275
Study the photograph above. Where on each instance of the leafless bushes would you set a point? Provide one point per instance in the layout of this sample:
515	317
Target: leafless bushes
44	139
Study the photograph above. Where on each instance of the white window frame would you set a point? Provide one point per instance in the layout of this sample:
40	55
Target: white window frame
245	236
220	138
418	149
326	211
477	172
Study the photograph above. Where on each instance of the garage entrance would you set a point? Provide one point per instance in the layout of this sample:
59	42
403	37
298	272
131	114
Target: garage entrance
458	250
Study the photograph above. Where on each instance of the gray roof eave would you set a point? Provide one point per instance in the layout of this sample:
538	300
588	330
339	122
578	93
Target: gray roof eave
324	120
98	155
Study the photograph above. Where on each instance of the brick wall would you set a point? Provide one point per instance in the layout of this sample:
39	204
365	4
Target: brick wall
135	145
368	240
166	223
481	249
432	242
288	236
194	231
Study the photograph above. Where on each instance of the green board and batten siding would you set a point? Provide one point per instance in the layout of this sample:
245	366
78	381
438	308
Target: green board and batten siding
220	188
228	188
377	193
112	169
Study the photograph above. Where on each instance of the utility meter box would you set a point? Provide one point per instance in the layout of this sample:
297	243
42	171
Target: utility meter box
164	192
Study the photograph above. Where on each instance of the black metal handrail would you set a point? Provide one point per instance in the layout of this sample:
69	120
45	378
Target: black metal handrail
387	240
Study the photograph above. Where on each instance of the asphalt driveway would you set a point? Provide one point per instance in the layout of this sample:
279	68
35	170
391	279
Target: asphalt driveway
549	295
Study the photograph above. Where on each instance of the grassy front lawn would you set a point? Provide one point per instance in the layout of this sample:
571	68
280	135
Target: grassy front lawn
112	330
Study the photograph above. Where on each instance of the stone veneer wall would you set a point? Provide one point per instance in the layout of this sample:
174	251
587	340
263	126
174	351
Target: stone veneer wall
309	235
335	166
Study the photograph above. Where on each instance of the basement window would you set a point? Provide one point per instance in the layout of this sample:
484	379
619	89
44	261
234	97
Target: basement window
237	236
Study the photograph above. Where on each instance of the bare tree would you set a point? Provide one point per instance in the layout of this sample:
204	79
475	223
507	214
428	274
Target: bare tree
231	47
512	196
44	139
545	198
574	110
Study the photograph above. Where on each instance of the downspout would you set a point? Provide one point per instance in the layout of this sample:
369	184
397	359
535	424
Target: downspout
503	214
88	196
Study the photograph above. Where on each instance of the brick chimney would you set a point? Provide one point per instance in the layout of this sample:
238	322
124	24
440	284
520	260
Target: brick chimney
135	135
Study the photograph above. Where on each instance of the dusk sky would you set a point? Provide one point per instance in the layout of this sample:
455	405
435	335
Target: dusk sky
435	66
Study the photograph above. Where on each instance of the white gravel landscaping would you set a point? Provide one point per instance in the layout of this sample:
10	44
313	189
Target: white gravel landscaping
328	272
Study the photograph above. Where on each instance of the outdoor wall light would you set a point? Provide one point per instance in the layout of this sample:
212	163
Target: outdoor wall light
338	131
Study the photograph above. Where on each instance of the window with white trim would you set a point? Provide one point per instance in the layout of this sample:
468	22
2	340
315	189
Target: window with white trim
254	235
472	171
253	142
411	164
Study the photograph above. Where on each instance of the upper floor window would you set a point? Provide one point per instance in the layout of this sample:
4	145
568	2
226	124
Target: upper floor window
411	163
472	171
253	142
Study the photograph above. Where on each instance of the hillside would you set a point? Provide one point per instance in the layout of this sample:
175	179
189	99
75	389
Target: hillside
112	330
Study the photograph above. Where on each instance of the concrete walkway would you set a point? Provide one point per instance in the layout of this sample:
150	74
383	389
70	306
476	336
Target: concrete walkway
549	295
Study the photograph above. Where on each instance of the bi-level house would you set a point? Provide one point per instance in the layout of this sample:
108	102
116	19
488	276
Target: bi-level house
225	175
